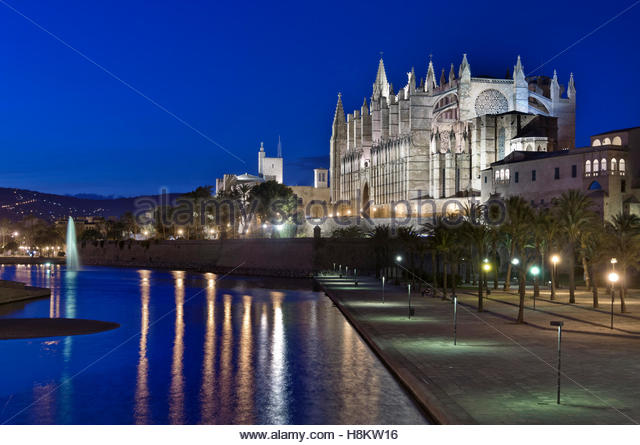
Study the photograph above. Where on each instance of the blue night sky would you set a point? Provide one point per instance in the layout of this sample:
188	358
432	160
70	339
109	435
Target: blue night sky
245	72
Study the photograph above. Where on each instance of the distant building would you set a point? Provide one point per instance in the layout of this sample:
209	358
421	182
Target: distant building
604	171
314	200
270	168
228	182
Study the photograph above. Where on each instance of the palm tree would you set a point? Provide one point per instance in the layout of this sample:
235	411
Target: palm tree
475	232
513	229
574	215
546	233
443	243
624	231
381	237
520	215
595	253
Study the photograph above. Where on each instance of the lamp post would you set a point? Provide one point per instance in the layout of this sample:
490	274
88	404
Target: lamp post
383	289
398	260
555	259
455	319
613	278
486	267
535	270
411	311
355	276
559	324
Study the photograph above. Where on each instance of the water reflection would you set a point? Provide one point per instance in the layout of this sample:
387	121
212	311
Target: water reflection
244	378
278	406
208	363
176	392
141	412
229	353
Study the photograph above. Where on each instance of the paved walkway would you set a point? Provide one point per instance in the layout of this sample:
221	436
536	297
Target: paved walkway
501	371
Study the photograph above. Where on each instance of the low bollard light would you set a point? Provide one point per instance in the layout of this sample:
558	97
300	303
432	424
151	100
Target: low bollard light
559	324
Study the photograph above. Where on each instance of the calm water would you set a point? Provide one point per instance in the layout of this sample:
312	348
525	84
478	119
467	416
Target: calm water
191	350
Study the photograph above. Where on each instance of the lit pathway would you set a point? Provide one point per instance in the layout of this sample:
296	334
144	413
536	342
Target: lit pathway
500	371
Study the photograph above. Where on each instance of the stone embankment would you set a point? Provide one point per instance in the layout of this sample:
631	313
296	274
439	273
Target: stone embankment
500	371
12	291
286	257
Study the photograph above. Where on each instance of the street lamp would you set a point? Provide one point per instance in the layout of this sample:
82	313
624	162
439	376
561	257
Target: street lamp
559	325
535	271
515	261
486	267
613	279
555	259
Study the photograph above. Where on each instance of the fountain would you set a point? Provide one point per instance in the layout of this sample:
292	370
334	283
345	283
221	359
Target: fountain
73	260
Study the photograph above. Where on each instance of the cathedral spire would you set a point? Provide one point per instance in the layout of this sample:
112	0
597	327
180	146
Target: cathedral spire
442	78
452	74
555	86
431	76
338	117
411	80
279	147
518	73
381	85
365	108
571	89
464	67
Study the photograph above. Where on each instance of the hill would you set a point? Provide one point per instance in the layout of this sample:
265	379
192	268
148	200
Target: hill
15	204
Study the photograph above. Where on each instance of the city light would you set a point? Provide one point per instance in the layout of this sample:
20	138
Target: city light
535	270
280	227
614	261
515	261
398	258
614	277
486	267
555	259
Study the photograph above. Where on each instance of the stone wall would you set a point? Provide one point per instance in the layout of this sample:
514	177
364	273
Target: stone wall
294	257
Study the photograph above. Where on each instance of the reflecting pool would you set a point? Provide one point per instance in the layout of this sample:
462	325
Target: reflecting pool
191	349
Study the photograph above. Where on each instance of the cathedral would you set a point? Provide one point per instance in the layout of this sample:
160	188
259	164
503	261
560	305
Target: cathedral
432	138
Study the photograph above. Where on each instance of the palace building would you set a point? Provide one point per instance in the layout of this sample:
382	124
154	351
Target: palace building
434	137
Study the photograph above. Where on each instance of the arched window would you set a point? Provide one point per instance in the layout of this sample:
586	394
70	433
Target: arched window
506	174
606	141
596	143
595	167
528	148
595	185
587	168
603	164
622	166
614	164
501	175
497	177
617	141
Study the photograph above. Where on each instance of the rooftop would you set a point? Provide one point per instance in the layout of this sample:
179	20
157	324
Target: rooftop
616	131
522	156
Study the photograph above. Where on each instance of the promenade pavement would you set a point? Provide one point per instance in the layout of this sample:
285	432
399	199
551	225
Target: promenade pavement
502	372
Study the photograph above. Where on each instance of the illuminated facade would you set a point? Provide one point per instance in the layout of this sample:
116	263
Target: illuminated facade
433	138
